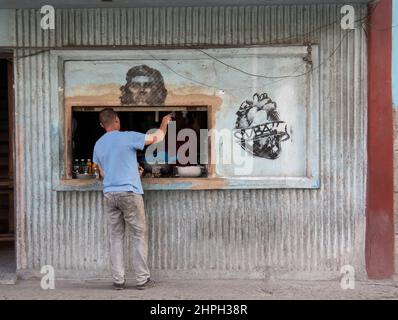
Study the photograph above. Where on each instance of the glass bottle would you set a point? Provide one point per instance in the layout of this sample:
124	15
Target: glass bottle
76	167
96	171
89	166
83	166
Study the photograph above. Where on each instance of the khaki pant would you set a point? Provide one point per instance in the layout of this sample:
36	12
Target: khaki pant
127	209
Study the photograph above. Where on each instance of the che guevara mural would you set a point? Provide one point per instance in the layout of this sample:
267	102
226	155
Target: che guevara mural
144	86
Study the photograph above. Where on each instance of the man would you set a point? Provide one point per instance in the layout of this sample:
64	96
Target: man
115	154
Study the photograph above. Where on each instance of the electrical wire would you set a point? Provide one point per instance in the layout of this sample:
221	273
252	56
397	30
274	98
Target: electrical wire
277	78
282	76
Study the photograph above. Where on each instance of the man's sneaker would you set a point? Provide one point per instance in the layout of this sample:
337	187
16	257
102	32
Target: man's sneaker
119	286
148	284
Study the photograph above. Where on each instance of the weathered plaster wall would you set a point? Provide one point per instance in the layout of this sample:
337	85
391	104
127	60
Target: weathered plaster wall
7	28
225	89
221	233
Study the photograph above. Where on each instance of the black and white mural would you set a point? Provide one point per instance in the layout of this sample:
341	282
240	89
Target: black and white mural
144	86
265	132
259	129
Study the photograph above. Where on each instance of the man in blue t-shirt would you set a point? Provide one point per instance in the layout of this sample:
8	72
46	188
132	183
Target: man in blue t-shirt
115	154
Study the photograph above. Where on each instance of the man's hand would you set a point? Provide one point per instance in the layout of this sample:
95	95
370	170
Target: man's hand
166	119
160	133
101	172
140	170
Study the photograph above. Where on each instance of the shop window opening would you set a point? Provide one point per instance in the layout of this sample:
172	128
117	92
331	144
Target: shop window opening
168	161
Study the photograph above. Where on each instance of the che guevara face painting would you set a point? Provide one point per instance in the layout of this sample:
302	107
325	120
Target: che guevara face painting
144	86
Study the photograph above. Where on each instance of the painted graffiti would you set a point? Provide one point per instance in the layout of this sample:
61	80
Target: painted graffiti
258	128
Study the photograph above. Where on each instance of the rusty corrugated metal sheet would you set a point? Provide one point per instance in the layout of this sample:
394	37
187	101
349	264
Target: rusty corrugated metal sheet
222	233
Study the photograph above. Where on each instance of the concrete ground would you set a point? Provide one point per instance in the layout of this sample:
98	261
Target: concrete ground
98	289
203	290
7	265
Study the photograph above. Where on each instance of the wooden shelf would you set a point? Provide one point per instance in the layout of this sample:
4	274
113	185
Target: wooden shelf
6	184
5	237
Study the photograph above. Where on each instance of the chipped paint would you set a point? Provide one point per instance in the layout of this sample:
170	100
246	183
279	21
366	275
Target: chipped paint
7	27
297	97
247	233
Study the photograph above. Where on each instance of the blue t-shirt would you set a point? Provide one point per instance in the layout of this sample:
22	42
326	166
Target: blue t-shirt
116	153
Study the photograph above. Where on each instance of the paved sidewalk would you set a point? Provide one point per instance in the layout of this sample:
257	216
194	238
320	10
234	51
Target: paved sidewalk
203	290
7	266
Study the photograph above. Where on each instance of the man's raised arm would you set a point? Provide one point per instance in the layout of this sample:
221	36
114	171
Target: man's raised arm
160	133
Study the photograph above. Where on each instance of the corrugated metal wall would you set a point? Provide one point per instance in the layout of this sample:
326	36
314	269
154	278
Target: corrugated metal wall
221	233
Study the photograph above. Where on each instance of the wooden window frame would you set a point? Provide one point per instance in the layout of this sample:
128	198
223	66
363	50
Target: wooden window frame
85	107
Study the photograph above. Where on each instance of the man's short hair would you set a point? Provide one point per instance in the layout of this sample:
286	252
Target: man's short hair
107	116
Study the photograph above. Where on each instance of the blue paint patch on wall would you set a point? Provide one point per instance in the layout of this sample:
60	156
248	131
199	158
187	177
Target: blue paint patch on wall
395	54
7	28
168	186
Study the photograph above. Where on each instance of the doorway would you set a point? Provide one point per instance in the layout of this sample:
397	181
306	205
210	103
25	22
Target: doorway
7	234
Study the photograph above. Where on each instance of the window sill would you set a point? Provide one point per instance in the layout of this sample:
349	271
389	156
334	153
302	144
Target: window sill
197	184
148	184
79	185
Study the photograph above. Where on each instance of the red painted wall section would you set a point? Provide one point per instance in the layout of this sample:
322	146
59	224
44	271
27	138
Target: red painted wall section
380	200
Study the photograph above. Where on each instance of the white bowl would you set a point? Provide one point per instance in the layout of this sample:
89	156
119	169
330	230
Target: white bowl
85	176
189	171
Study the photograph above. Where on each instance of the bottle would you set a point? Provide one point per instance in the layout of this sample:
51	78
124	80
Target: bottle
96	171
156	172
89	164
76	167
82	166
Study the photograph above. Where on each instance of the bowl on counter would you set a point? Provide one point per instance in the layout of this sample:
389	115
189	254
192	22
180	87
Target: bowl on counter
189	171
162	168
85	176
